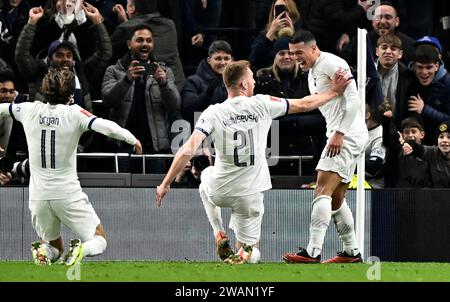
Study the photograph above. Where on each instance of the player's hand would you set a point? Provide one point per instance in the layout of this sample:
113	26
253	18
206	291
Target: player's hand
342	78
161	191
416	104
137	148
5	178
335	145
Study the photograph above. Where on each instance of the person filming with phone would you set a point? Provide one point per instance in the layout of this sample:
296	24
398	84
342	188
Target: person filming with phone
143	98
284	19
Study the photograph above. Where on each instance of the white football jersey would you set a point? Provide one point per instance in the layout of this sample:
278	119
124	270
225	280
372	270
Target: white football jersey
319	81
239	128
53	132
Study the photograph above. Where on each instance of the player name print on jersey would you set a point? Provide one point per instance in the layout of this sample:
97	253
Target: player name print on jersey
240	119
48	120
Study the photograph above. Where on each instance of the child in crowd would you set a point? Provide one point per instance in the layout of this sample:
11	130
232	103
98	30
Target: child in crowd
437	157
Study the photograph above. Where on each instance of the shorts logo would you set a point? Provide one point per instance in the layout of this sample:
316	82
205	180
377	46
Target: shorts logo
87	113
443	127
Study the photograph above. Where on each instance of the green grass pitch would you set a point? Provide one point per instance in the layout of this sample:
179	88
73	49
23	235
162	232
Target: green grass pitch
154	271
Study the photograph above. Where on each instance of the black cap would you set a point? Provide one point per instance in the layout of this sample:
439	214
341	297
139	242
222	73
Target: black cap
443	127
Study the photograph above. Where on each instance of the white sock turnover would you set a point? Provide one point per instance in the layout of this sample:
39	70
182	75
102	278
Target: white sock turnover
95	246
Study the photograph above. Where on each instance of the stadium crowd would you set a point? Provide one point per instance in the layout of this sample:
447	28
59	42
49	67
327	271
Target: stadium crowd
152	66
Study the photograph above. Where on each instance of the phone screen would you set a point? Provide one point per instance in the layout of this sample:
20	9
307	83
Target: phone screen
279	9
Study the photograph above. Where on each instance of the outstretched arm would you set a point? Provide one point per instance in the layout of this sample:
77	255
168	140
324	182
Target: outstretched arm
111	129
184	154
341	79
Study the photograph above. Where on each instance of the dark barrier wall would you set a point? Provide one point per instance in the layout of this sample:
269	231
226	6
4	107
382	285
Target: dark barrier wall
411	225
179	230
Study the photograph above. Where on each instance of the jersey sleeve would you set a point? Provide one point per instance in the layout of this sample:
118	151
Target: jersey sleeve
204	123
275	106
18	111
84	117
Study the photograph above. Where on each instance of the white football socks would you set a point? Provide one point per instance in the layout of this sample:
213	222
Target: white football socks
343	220
95	246
214	214
320	219
51	252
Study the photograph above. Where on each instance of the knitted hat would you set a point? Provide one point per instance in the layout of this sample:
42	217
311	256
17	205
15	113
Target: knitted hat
60	43
429	40
280	44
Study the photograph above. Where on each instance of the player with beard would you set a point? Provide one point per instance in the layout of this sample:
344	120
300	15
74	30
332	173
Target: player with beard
142	96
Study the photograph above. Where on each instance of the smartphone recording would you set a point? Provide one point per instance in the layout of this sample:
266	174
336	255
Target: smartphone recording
150	68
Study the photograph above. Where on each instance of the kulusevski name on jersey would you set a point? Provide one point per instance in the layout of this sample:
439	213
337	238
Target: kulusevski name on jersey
240	119
48	120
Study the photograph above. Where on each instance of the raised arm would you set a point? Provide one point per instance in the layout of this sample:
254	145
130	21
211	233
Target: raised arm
184	154
341	80
111	129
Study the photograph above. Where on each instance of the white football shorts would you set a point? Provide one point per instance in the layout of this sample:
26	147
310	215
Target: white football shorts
246	213
77	215
345	162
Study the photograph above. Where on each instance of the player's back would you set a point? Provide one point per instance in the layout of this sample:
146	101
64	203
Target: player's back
239	128
53	132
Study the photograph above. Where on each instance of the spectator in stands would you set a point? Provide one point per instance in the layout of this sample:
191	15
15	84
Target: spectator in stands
438	157
141	100
12	138
433	41
394	74
334	22
13	17
206	86
385	21
166	50
430	97
375	150
301	133
284	20
65	20
191	17
63	53
413	172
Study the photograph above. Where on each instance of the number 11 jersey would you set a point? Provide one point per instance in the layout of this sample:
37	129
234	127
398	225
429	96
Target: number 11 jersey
52	133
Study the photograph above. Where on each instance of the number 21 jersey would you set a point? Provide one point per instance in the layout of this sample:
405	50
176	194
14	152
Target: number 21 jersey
239	127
